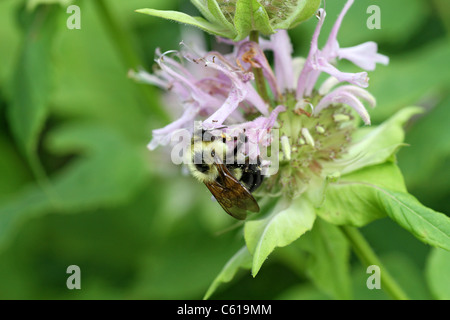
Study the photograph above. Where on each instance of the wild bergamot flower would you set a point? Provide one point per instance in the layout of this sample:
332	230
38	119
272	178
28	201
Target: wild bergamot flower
329	165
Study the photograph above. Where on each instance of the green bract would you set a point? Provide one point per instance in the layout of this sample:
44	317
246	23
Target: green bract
236	19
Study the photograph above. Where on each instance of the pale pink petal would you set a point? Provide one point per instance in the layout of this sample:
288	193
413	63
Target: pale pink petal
163	136
331	46
255	100
281	46
343	97
364	55
358	92
359	79
309	74
235	96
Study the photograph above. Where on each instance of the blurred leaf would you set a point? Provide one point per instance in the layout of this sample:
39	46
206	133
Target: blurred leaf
303	292
426	224
443	9
328	262
375	145
285	224
242	259
182	266
424	163
14	172
438	275
110	172
11	39
31	83
353	199
91	82
32	4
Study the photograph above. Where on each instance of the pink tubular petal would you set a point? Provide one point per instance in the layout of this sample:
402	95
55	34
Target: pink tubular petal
343	97
330	47
143	76
309	75
187	81
359	79
235	96
255	99
359	93
327	85
364	55
163	136
281	46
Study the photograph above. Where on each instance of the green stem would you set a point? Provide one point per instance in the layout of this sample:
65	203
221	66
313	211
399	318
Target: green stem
126	51
368	257
258	72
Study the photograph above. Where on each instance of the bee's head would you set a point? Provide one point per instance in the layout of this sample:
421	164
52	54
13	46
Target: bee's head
205	154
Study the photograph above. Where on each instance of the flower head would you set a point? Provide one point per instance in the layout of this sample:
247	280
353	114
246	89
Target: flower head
315	124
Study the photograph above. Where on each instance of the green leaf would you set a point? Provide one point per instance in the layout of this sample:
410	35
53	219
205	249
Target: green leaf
437	273
285	224
250	15
427	225
375	145
353	199
242	259
328	262
203	8
198	22
101	177
214	10
31	82
303	10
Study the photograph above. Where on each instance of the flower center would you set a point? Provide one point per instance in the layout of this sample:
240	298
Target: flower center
307	143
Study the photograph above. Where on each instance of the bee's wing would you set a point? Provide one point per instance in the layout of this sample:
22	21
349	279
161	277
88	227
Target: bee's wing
234	198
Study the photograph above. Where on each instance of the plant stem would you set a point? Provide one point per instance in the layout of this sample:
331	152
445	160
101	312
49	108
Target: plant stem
126	52
258	72
368	257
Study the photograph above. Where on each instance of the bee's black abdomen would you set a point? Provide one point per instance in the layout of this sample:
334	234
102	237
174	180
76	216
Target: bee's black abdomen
257	180
251	175
247	179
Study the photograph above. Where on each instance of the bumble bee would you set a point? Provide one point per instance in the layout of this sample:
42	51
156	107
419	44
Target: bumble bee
230	184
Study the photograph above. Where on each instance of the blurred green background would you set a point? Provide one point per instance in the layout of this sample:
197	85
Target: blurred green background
79	187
